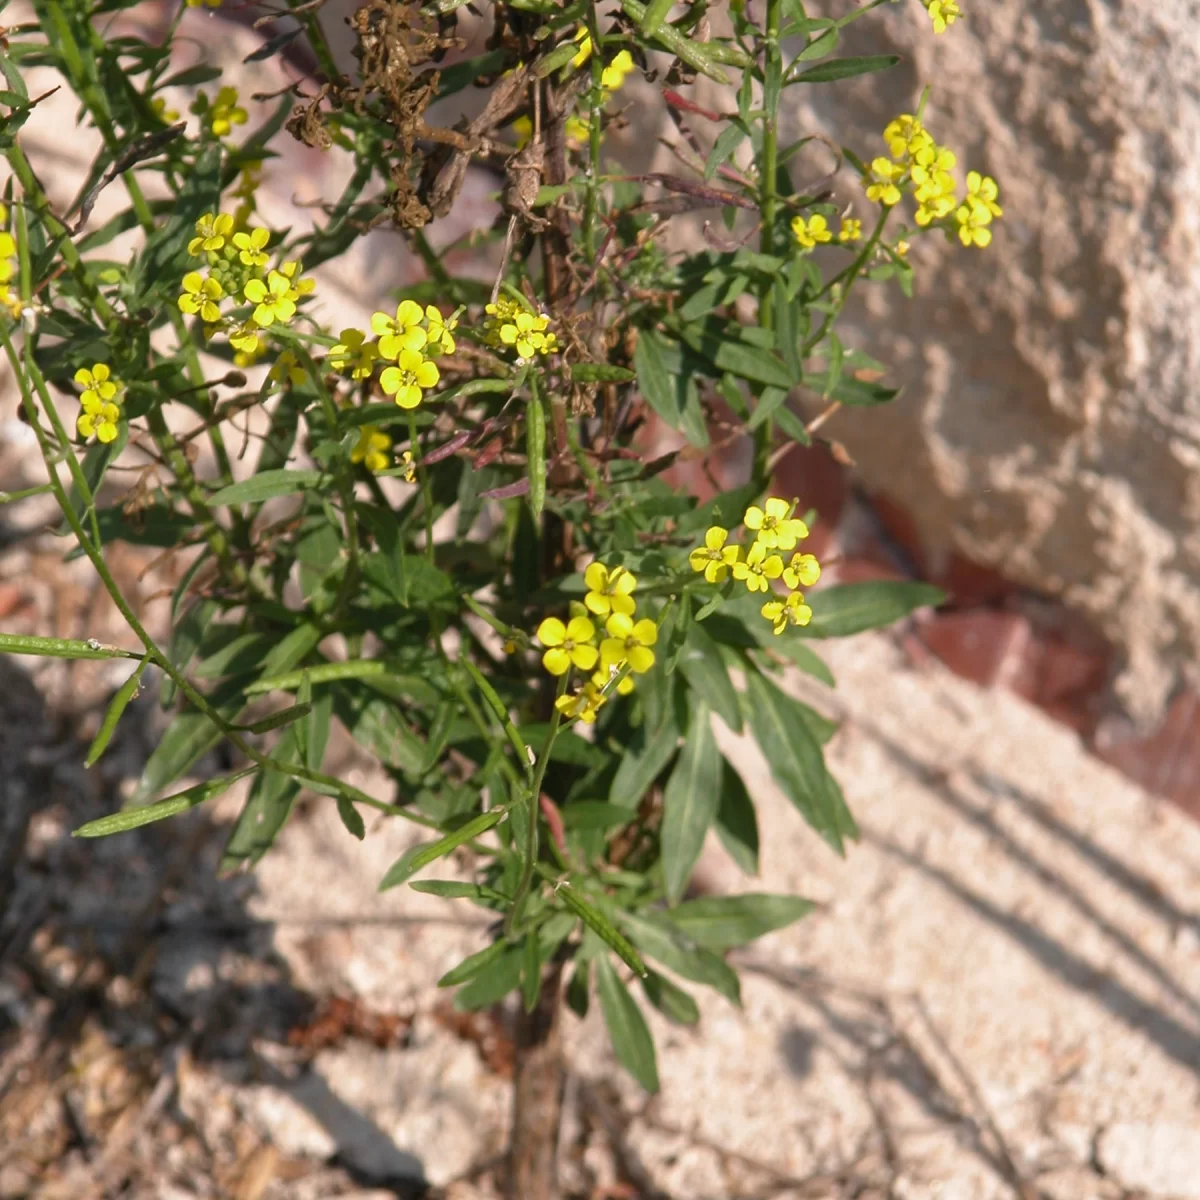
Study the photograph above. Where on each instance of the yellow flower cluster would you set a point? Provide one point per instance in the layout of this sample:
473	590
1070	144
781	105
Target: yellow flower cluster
408	341
8	268
222	112
628	642
509	325
101	403
815	231
237	270
373	449
943	13
918	163
777	532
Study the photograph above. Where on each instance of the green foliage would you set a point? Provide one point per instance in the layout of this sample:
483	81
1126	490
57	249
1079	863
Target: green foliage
411	549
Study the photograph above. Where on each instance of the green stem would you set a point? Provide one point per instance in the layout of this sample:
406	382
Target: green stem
851	274
595	112
535	812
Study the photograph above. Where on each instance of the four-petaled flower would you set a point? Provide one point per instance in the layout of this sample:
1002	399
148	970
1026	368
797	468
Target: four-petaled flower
201	295
782	613
882	180
982	192
99	417
758	568
251	247
354	353
628	641
776	530
601	680
372	448
714	558
287	368
802	571
402	332
98	384
275	300
584	704
811	232
211	232
441	339
568	645
412	374
609	591
943	12
973	221
612	78
851	230
226	112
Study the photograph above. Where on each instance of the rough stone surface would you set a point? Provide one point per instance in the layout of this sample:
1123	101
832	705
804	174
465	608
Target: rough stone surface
1050	423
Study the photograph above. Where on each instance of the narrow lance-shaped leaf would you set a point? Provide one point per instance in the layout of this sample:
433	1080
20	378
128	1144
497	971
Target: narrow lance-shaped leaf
595	920
690	802
421	855
115	710
535	449
627	1028
722	922
134	818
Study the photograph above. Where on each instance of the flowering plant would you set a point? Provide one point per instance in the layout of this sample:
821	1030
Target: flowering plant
483	577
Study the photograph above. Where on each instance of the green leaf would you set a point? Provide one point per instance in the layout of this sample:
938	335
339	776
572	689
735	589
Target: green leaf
728	140
266	485
422	854
722	922
48	647
737	821
671	1000
700	57
134	818
845	68
658	365
488	987
453	889
577	989
560	56
120	702
642	763
595	814
805	657
769	402
351	818
267	808
376	723
656	13
591	372
849	608
678	952
189	736
631	1040
702	666
731	354
596	921
531	972
690	802
276	720
292	650
794	757
535	452
820	46
848	390
473	964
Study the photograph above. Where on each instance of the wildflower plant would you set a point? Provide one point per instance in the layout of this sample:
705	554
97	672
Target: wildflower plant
533	627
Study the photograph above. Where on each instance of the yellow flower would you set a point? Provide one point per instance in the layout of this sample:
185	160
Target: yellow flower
851	230
609	591
251	245
202	3
585	47
932	162
982	192
353	353
776	530
372	449
167	115
943	12
782	613
410	476
881	182
211	230
613	76
99	419
628	641
412	374
714	558
98	385
973	222
441	339
245	340
402	332
584	704
758	568
601	680
811	232
276	299
567	645
226	112
903	134
508	324
802	571
8	268
901	249
287	368
201	295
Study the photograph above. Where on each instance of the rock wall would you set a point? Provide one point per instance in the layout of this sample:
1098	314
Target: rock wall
1050	422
